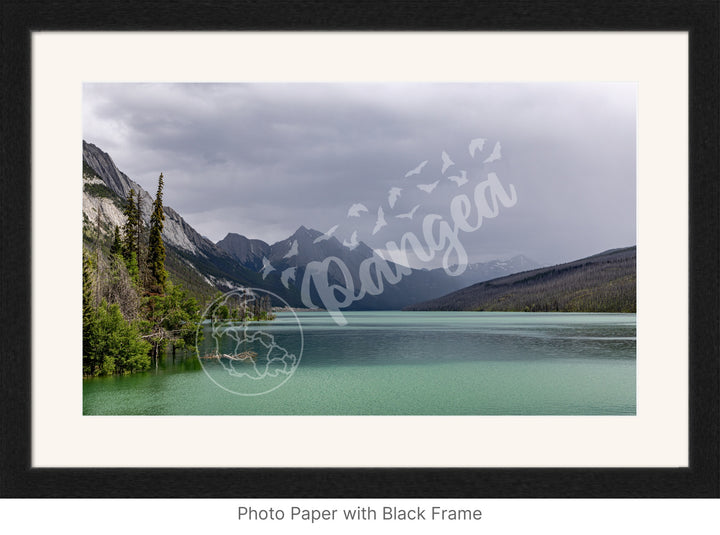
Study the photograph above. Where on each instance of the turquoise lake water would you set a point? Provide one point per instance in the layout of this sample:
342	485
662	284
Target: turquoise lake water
394	363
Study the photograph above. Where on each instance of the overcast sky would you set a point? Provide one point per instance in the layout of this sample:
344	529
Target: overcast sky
263	159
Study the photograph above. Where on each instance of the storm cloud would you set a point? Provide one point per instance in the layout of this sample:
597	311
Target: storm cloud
263	159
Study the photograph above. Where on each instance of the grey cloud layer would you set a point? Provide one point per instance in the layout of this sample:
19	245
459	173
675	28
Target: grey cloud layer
262	159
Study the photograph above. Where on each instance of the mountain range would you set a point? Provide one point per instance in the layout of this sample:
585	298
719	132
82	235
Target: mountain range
236	260
604	282
418	285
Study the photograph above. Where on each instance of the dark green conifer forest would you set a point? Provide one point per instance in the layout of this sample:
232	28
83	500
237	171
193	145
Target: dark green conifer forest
132	312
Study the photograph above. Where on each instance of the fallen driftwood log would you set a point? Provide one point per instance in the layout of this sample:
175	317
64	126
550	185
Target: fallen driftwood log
245	355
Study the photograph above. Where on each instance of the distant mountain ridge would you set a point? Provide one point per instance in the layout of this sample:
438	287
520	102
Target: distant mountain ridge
492	269
605	282
420	284
238	261
248	252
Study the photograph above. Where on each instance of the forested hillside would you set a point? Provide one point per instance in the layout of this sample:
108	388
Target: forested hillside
104	210
601	283
132	311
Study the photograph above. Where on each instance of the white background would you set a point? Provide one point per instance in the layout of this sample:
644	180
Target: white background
220	517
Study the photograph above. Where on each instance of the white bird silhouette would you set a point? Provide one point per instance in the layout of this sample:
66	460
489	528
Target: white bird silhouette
327	235
409	215
428	188
380	223
447	162
460	180
267	267
495	154
356	208
476	144
417	170
287	276
393	195
353	241
293	250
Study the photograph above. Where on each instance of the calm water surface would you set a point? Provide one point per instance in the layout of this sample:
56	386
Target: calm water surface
414	363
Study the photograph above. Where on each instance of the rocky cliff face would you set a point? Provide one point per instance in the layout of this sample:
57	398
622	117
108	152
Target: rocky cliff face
247	251
176	232
102	164
100	202
106	188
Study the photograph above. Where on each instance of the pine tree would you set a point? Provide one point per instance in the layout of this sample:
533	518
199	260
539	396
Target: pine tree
88	311
116	345
130	229
139	241
117	246
156	247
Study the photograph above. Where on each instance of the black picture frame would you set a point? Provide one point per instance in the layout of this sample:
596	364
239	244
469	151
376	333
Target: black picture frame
700	18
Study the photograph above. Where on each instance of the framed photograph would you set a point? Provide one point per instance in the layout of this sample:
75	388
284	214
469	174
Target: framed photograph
313	260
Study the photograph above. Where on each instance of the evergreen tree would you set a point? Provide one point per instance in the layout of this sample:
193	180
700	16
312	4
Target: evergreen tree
171	318
122	331
140	241
115	344
117	246
130	229
132	267
110	343
156	247
88	312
